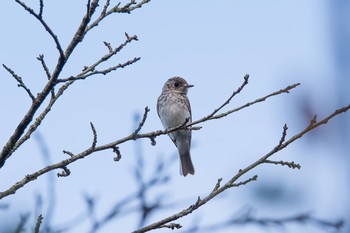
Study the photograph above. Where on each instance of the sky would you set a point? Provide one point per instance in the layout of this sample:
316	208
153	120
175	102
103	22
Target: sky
212	45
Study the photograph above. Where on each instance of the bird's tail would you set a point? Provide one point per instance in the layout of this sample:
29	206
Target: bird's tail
186	164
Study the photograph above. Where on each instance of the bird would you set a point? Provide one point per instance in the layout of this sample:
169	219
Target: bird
174	109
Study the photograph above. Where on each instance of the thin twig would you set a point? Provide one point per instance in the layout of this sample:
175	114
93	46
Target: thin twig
43	63
41	9
47	72
41	20
292	164
254	178
108	45
20	82
115	9
128	7
91	70
217	185
142	121
246	79
38	224
94	141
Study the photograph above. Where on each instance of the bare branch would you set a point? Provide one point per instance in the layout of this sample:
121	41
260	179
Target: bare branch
218	116
41	20
153	134
246	79
41	9
95	136
217	186
47	72
142	121
254	178
10	146
38	224
292	164
106	71
284	134
231	183
81	32
91	70
17	137
109	47
68	153
20	82
46	69
127	8
105	7
113	145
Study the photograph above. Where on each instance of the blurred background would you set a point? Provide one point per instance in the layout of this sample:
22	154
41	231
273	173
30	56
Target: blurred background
212	45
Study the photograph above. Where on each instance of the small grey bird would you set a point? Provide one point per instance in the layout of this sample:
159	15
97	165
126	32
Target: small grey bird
174	109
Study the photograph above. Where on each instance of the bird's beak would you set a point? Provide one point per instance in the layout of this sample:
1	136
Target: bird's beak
189	85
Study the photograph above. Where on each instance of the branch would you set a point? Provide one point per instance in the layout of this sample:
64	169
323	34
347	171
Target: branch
41	9
142	121
96	72
10	147
262	99
41	20
292	164
246	79
94	141
231	183
127	8
42	61
81	32
38	224
17	138
91	70
47	72
114	145
20	82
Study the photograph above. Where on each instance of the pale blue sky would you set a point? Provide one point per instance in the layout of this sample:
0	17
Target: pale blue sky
212	45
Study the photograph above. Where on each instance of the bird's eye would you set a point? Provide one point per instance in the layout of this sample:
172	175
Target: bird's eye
176	84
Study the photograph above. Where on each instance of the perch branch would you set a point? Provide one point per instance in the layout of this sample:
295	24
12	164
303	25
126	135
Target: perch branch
153	134
113	145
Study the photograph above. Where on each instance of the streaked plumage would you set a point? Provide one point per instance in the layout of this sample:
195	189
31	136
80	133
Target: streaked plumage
173	109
